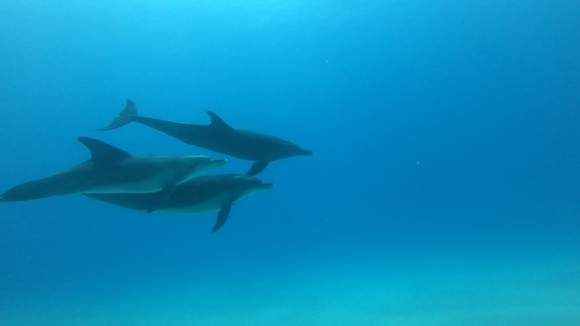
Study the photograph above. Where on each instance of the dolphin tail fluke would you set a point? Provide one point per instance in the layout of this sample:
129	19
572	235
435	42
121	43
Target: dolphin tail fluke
222	217
127	115
257	167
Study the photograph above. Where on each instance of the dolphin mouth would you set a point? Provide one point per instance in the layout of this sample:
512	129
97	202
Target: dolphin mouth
218	161
306	152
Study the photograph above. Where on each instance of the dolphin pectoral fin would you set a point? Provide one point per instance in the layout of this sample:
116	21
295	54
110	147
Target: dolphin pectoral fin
257	167
124	117
222	217
161	198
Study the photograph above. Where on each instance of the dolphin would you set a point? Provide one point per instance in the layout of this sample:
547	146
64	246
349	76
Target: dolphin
218	136
112	170
199	195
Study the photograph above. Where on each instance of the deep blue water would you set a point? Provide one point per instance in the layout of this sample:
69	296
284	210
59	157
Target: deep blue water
446	136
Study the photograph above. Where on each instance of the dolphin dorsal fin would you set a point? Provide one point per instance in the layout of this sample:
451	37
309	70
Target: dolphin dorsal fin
102	152
217	122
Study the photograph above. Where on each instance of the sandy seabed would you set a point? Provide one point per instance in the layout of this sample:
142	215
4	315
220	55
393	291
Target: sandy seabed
433	291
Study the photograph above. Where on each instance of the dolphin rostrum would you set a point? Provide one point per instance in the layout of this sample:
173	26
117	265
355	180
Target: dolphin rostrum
112	170
199	195
218	136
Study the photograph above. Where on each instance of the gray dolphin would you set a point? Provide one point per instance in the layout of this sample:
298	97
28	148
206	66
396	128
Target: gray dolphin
218	136
199	195
112	170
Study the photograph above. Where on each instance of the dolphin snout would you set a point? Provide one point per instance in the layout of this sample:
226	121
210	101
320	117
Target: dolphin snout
219	161
266	185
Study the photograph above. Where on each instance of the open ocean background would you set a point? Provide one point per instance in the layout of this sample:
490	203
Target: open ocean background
444	188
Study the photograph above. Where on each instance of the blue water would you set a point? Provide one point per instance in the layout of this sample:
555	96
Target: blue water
444	188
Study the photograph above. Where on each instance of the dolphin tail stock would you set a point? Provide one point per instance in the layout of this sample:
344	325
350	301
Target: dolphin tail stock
126	116
305	152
